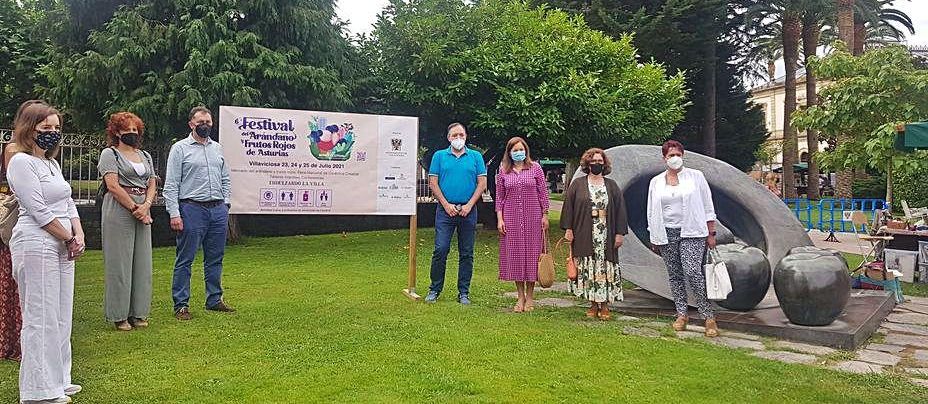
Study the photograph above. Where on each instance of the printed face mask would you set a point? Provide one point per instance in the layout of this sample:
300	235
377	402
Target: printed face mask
48	139
517	155
203	130
596	168
130	139
457	144
675	162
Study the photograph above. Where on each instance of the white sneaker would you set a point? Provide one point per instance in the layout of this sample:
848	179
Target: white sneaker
72	389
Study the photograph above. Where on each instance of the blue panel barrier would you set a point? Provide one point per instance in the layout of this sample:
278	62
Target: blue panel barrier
826	214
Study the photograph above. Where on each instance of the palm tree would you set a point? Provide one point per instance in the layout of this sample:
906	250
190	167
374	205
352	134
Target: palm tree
766	49
788	15
816	14
845	19
875	24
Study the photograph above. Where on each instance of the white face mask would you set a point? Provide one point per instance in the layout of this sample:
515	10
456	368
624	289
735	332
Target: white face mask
675	162
457	143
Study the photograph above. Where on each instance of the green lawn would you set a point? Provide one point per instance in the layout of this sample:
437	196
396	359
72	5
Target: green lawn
322	319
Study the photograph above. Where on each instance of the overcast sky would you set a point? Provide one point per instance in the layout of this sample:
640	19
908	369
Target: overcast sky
361	14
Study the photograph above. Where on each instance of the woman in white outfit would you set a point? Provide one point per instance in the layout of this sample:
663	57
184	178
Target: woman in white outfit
46	241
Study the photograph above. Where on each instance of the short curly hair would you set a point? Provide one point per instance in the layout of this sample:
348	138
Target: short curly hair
120	121
672	144
588	156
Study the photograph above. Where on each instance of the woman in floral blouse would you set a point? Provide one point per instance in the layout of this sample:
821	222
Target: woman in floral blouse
595	222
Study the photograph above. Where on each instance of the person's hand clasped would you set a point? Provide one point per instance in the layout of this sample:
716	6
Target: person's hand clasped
450	210
75	248
142	213
465	209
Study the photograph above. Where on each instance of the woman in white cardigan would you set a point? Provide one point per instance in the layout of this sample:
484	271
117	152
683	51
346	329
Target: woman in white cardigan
681	221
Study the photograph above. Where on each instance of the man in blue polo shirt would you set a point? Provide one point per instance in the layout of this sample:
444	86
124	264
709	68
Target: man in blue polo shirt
457	178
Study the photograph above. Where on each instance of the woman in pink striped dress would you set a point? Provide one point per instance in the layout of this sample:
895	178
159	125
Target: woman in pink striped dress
522	215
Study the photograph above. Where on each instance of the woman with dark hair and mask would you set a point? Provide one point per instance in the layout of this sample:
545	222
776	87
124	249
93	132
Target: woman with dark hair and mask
596	224
131	186
46	240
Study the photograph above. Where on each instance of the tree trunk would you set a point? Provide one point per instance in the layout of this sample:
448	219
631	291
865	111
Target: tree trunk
709	116
845	10
234	234
846	22
860	37
791	32
889	182
810	37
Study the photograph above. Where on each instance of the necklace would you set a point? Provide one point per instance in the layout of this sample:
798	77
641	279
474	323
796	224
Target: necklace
48	163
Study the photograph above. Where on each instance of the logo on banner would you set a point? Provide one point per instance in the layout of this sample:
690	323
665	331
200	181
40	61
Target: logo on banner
287	198
306	198
397	144
268	197
330	141
324	198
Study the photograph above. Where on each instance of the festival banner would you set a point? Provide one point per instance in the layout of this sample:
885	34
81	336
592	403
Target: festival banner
308	162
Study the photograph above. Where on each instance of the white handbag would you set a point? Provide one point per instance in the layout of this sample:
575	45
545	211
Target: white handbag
718	284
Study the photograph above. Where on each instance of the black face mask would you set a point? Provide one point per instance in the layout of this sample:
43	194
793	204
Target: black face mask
203	130
48	139
596	169
129	139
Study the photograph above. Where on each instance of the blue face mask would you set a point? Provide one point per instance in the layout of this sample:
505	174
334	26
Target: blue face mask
517	155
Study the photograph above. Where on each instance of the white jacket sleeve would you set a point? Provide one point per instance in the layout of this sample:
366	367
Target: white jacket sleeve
706	194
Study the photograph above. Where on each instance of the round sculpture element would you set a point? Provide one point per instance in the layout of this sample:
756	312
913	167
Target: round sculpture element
819	251
813	286
749	272
749	211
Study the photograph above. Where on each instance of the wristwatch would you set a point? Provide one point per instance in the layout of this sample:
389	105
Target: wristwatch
70	241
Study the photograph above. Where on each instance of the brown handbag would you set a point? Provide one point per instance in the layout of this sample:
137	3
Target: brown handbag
571	264
545	264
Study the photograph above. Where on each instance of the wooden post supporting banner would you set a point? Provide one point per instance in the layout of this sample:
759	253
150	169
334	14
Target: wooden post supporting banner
410	290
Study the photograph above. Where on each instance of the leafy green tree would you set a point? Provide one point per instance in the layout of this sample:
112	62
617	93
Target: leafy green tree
159	58
21	48
869	95
704	39
508	69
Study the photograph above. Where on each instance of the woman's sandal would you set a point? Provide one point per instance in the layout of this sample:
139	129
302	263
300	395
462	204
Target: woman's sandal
604	313
593	312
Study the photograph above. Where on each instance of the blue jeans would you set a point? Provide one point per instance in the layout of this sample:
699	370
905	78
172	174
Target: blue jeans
444	228
207	227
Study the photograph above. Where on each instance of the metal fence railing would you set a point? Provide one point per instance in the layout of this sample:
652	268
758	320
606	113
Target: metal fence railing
78	157
828	214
